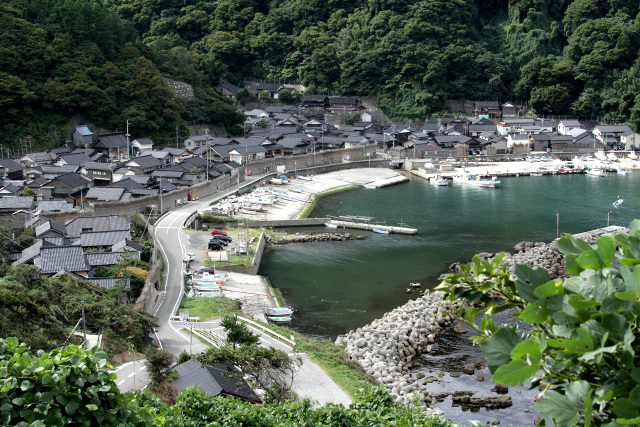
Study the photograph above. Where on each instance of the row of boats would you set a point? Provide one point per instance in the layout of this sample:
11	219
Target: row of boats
475	180
259	200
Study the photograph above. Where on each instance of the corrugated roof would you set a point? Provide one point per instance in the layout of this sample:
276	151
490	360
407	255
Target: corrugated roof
84	130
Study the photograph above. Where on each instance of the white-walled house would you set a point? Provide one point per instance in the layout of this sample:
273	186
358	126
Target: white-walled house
567	125
630	140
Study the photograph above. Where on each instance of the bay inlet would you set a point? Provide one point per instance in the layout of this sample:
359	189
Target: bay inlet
340	286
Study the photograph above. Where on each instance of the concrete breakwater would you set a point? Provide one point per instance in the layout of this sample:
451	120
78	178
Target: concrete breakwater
386	347
305	238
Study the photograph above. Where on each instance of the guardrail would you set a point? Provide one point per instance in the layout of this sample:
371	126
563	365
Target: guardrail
268	331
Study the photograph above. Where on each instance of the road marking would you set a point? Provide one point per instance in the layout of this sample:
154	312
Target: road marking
142	368
130	375
120	383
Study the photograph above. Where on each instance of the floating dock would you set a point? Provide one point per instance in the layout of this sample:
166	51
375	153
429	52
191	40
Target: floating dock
392	229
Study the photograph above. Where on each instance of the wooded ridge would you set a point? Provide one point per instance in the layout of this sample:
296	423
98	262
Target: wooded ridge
106	59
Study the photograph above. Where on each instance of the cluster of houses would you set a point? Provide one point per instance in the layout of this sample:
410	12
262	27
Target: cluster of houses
110	168
80	246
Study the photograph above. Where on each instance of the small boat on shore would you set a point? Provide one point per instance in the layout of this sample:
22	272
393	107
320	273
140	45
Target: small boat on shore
329	225
305	178
279	319
280	311
622	171
535	174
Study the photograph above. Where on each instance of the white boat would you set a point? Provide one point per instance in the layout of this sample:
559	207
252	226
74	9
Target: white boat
595	172
280	311
600	155
618	202
329	225
305	178
622	171
535	174
277	181
476	180
279	319
295	190
207	275
633	155
612	157
381	231
438	180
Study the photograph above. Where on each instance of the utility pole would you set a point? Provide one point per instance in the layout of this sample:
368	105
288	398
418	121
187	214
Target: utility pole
84	326
160	185
206	132
177	137
127	135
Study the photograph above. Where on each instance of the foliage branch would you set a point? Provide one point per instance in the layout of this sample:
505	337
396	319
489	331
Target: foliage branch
582	348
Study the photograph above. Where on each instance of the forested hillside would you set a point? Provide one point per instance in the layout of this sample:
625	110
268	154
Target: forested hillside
105	58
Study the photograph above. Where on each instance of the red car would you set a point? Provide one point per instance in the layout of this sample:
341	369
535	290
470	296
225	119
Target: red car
217	231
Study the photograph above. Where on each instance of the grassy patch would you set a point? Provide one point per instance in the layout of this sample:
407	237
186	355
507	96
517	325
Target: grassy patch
209	308
347	373
311	205
274	292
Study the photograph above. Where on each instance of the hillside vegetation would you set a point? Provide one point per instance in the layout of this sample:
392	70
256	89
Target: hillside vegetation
106	58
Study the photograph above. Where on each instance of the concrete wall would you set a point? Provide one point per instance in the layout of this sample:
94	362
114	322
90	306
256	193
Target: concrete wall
289	223
255	262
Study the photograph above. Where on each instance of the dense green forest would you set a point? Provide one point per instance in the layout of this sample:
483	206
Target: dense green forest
106	58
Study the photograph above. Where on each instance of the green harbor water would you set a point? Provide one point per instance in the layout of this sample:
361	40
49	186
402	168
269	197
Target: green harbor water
340	286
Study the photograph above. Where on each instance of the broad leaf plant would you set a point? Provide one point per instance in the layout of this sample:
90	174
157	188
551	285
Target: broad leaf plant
579	340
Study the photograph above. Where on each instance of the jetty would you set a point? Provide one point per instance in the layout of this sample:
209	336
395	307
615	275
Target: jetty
379	183
364	223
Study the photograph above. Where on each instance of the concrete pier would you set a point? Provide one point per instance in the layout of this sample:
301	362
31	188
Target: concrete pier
379	183
362	226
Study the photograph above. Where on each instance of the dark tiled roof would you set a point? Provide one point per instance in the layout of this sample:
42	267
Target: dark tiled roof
59	170
72	180
55	206
50	225
127	183
97	166
16	202
126	243
39	157
212	380
57	258
75	159
343	100
163	173
29	253
229	87
113	140
103	238
11	165
105	194
103	258
109	283
75	226
146	161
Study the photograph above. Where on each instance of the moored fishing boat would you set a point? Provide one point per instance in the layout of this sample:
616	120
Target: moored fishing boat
476	180
438	180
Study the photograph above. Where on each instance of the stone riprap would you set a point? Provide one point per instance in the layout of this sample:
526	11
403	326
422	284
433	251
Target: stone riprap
386	346
305	238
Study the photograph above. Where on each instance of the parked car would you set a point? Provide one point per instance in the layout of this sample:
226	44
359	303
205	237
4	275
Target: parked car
189	257
218	231
222	242
215	246
227	239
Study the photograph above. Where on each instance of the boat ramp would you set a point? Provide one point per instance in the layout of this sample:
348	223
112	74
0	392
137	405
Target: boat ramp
365	223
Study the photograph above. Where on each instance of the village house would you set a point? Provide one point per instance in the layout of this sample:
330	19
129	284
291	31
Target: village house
341	104
566	126
112	145
228	90
82	136
610	135
487	109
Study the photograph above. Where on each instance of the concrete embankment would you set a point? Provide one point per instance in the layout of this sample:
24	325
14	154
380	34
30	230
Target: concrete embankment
371	227
305	238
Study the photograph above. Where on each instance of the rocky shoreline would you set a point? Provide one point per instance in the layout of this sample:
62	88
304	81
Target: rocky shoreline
311	237
386	347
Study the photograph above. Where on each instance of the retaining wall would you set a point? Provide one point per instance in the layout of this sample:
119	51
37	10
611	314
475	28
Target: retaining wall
255	262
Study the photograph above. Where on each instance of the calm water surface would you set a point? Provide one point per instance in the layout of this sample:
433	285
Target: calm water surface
340	286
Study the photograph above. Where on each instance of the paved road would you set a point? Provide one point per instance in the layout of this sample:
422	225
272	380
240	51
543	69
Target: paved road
132	375
311	381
